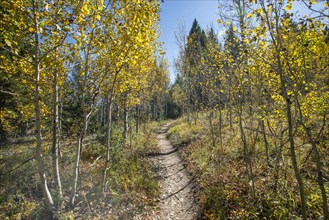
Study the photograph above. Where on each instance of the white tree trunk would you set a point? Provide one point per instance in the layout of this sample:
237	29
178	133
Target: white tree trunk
55	144
76	171
38	153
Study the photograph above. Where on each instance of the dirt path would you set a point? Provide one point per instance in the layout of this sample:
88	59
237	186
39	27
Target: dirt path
177	188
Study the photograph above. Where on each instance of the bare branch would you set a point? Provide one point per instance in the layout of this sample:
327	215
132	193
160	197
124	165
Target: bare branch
15	54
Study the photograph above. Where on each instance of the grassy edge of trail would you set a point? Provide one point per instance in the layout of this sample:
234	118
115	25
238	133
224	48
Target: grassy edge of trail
220	170
133	187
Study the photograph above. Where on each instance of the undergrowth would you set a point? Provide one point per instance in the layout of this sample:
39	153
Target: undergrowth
224	186
132	186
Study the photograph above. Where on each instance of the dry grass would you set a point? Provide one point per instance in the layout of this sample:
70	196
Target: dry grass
132	183
225	191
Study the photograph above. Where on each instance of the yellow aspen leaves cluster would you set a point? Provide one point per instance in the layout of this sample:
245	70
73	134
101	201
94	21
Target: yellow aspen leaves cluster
272	65
271	30
119	35
112	46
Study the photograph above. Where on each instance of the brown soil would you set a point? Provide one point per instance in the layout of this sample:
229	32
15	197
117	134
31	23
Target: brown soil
177	199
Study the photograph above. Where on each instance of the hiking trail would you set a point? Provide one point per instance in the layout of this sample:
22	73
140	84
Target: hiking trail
177	200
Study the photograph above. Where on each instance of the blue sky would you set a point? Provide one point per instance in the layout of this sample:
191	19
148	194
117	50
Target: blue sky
175	11
185	11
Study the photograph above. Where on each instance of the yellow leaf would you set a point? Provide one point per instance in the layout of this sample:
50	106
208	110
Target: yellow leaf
218	21
85	10
31	30
7	42
98	17
79	19
259	11
250	15
288	7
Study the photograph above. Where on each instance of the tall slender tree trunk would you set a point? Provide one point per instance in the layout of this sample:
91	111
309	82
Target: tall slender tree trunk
131	142
137	119
55	131
38	153
76	170
320	174
166	110
318	164
262	124
247	156
212	129
148	113
81	133
125	123
155	109
294	159
108	142
60	126
188	94
278	161
291	137
230	111
117	122
159	110
220	128
39	157
278	48
109	129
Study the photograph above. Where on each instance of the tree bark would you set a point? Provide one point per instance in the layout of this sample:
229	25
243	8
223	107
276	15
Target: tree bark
80	138
220	128
319	172
318	164
38	153
294	160
108	142
137	119
277	46
55	131
76	170
246	155
265	142
125	123
60	127
109	129
212	129
39	157
82	131
278	160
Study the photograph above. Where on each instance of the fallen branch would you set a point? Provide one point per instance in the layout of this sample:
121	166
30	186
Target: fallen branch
93	164
2	174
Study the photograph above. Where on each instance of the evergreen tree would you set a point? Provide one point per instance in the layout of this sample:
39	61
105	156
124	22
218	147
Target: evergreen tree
232	43
195	50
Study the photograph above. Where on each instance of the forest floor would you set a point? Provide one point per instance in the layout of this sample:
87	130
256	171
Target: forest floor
150	183
172	172
177	187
